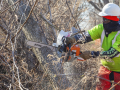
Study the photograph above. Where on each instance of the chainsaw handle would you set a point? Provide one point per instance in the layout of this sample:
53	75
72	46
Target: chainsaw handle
69	45
68	53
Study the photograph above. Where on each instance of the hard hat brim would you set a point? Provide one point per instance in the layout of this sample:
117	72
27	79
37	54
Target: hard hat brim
102	14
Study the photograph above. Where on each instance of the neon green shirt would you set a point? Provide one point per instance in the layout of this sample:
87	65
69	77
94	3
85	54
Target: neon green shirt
95	33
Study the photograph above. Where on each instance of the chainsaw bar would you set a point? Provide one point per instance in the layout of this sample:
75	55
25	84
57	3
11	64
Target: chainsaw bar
40	45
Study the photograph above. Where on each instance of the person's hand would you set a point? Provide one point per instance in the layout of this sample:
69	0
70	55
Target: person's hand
88	54
95	54
70	40
85	55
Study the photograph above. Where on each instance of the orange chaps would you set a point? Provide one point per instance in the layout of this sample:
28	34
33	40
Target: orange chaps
105	76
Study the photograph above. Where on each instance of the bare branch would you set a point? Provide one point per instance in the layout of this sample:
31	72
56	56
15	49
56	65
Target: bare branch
51	20
1	57
75	20
101	5
49	10
15	66
3	29
21	26
25	21
49	23
105	1
94	5
9	7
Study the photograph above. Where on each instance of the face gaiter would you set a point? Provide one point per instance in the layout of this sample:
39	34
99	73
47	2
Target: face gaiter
109	27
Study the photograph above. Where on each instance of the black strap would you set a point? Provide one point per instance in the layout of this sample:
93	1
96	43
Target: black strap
117	72
111	76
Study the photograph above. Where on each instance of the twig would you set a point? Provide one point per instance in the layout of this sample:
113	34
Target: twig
5	77
74	6
75	20
9	7
23	14
1	4
101	4
25	21
21	26
72	12
14	64
51	21
12	44
93	4
3	29
10	87
1	57
114	85
49	10
7	37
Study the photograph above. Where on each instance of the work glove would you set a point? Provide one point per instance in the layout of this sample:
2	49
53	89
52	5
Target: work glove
79	39
70	40
95	53
88	54
85	55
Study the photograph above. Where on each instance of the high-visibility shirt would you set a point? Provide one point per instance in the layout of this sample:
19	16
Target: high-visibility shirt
95	33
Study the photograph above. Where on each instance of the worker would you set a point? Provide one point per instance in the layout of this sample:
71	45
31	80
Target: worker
109	33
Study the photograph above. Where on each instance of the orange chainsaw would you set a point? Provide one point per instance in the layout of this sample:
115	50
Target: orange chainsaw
70	52
74	50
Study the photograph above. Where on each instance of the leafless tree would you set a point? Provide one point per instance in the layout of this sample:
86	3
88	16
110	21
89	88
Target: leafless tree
40	21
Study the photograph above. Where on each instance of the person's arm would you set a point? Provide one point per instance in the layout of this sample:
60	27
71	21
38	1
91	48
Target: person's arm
111	53
87	38
92	34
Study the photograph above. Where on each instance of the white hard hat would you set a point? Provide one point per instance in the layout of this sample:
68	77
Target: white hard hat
110	9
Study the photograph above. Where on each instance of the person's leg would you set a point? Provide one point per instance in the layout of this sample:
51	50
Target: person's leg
117	79
103	75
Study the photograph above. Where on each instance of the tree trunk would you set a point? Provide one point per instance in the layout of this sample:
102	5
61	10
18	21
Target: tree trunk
49	61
